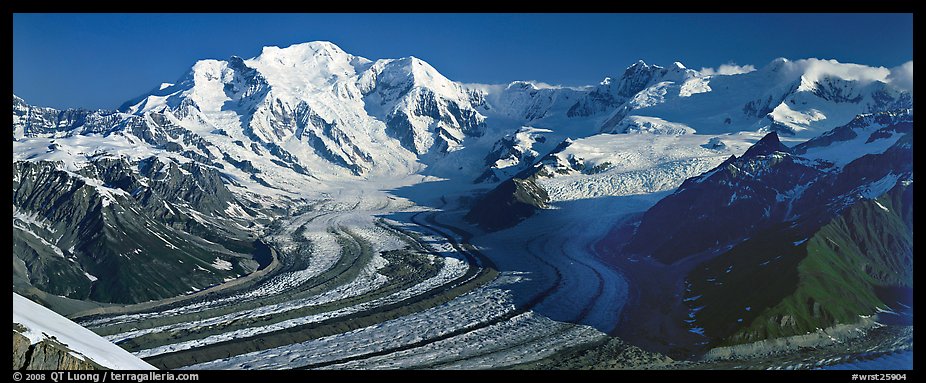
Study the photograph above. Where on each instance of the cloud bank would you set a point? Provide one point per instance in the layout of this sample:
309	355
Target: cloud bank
902	76
727	69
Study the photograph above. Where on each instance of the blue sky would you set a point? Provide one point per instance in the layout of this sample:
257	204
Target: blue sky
101	60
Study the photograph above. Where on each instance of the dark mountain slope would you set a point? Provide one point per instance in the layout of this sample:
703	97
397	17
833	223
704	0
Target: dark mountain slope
785	283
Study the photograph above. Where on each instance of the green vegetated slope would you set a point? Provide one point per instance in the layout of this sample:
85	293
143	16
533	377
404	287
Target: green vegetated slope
118	232
785	282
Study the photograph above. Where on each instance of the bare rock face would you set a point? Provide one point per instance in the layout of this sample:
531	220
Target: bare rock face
20	346
509	203
46	355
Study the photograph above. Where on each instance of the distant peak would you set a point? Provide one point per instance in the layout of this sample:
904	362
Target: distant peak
767	145
316	46
416	67
777	64
521	84
679	65
303	50
640	67
413	62
640	64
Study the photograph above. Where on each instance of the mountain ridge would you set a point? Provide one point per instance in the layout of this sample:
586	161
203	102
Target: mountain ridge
262	132
348	105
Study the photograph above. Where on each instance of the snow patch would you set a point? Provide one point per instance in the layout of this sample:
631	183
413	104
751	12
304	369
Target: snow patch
879	187
221	264
880	205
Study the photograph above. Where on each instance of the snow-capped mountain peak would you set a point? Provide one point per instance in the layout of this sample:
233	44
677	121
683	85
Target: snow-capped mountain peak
638	65
401	75
800	98
640	76
307	66
315	103
319	107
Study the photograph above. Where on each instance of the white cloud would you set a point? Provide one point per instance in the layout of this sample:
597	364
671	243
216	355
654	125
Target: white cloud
813	69
728	69
543	85
902	76
488	88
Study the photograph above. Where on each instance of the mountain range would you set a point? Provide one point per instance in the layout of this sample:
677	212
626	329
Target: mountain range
176	191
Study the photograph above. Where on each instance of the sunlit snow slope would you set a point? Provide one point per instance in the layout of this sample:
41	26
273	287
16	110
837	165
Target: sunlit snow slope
42	323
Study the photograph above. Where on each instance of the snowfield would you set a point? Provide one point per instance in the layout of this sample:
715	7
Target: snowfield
628	164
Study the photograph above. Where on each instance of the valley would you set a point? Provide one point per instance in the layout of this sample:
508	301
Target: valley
355	314
311	209
514	298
